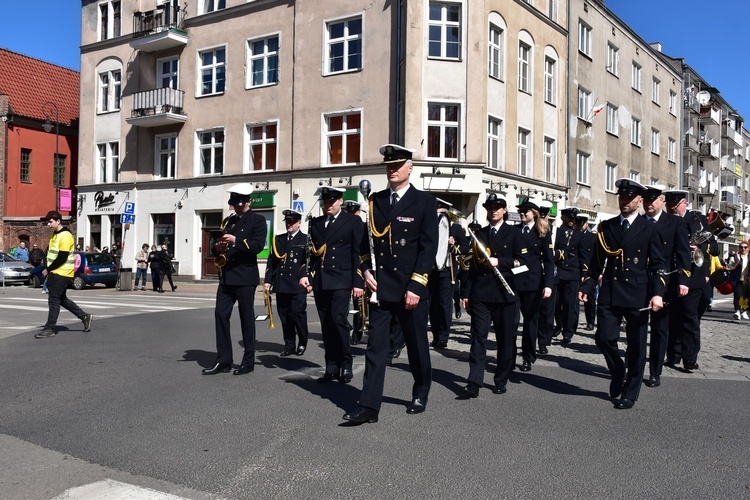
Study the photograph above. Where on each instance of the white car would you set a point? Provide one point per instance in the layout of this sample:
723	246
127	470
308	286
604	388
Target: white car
13	270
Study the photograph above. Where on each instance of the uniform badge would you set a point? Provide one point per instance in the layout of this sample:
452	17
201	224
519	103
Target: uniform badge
405	219
635	260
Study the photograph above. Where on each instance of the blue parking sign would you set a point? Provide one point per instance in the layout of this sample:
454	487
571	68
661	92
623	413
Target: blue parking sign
129	207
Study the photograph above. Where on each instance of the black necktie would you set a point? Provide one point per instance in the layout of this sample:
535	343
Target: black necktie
289	238
653	220
330	221
526	230
394	199
625	225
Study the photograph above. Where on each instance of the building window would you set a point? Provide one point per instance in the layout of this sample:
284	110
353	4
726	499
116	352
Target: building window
635	131
654	141
164	230
583	168
635	80
25	165
612	124
212	71
166	151
496	52
613	59
344	46
671	149
110	20
549	80
584	38
584	104
653	181
167	72
524	71
110	89
524	152
442	131
610	176
673	103
262	143
552	9
635	176
550	160
58	177
207	6
494	143
655	86
211	152
445	30
263	62
109	162
343	138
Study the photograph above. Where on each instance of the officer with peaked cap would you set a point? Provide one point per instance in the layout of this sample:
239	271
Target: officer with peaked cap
335	239
287	257
629	258
244	237
546	321
589	241
571	257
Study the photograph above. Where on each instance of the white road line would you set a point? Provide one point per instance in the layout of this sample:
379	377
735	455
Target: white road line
110	489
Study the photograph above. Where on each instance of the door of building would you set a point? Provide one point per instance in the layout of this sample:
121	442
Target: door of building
210	221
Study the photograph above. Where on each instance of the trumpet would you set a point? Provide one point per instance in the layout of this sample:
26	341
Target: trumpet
269	308
698	239
364	310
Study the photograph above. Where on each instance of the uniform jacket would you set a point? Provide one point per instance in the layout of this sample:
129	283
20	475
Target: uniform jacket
405	253
460	245
674	243
250	231
571	255
631	277
696	222
336	268
537	253
286	260
481	284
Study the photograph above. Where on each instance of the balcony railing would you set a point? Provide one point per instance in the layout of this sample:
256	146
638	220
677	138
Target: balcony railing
731	199
709	149
690	102
691	142
711	113
731	134
156	107
159	29
690	182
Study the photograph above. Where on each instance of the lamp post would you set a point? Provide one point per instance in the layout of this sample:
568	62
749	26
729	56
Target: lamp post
48	109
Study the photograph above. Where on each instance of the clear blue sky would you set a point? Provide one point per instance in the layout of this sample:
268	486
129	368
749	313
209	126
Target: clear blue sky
710	36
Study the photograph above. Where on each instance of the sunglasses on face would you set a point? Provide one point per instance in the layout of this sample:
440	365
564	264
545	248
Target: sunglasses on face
743	246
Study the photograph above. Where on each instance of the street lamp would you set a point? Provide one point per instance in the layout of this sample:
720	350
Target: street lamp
48	109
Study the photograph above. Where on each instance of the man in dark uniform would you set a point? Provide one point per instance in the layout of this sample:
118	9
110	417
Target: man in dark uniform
335	239
589	241
244	237
354	208
684	323
402	221
546	321
287	257
497	246
440	286
570	256
628	256
674	240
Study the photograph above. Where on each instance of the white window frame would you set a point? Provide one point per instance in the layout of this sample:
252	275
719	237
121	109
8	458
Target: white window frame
108	162
214	67
110	91
267	58
584	104
635	131
552	10
269	139
524	67
170	154
613	59
549	160
653	181
443	24
550	80
655	90
444	125
671	149
343	134
213	146
208	6
636	76
495	143
496	52
523	157
584	39
613	126
655	140
348	41
673	103
173	75
109	25
583	168
635	176
610	176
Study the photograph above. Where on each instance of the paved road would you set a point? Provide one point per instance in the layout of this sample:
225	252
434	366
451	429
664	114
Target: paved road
126	403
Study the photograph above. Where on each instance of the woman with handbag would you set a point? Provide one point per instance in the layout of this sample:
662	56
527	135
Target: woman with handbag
166	268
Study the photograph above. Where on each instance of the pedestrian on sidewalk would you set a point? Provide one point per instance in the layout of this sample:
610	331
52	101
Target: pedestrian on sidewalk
141	267
154	261
166	267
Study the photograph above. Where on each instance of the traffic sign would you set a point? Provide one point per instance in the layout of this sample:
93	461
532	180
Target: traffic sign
129	207
127	219
298	206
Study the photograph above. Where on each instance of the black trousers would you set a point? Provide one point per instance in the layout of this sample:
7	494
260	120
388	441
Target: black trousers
659	340
57	289
226	296
685	327
567	296
414	326
501	316
546	321
589	309
333	309
636	331
441	303
292	309
530	302
156	279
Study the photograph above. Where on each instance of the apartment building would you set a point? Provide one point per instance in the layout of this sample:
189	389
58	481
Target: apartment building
624	110
180	102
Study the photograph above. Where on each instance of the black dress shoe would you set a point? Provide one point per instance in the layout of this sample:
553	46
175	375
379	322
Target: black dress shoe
589	326
566	340
327	377
653	381
301	350
690	365
441	344
470	391
543	350
526	366
346	376
417	406
356	337
286	352
499	389
395	354
362	415
217	368
624	404
243	370
615	388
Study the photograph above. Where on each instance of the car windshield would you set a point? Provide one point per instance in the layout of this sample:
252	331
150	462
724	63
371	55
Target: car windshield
6	257
98	259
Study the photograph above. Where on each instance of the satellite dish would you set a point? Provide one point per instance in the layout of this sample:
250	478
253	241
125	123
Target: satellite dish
745	223
703	97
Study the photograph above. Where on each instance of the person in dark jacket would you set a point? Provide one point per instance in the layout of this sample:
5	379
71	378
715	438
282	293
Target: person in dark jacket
166	267
154	263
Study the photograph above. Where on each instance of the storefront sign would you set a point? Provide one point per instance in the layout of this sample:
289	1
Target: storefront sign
262	200
103	203
66	196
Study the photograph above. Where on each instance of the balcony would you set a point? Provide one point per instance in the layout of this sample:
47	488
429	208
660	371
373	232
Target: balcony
731	134
157	107
710	114
690	183
691	143
709	149
731	200
159	29
691	103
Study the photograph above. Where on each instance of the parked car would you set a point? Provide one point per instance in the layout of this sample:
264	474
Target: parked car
94	267
13	270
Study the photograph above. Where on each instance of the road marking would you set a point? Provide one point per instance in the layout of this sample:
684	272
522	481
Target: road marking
110	489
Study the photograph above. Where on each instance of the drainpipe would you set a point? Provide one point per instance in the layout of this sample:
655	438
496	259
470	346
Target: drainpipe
399	45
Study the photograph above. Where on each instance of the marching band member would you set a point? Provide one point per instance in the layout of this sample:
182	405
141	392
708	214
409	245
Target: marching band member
570	256
546	321
439	284
589	241
354	208
286	259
